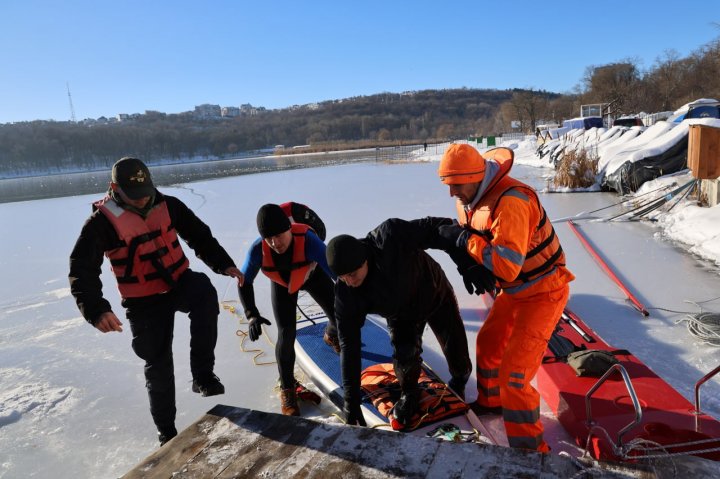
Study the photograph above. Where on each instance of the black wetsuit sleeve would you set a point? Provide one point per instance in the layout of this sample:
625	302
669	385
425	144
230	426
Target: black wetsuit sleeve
198	236
395	236
246	293
96	237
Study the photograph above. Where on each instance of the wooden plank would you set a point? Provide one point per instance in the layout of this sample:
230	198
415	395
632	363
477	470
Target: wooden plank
231	442
182	448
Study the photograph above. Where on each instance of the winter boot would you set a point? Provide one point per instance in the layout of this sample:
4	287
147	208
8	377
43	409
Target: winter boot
165	434
208	386
332	341
288	402
457	384
406	407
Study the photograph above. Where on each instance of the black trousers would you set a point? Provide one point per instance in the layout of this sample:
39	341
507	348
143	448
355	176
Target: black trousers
152	321
406	338
284	304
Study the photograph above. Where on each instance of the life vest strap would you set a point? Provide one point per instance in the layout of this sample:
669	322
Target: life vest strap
293	266
159	274
546	266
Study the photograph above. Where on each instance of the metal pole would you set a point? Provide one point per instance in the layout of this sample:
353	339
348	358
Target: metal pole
638	305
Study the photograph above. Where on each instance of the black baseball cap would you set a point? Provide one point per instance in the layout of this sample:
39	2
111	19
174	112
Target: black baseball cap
133	177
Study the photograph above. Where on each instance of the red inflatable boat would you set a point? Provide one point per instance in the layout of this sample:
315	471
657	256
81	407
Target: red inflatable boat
627	412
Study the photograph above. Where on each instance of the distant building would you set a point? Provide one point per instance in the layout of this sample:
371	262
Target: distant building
248	109
230	111
123	117
208	111
155	114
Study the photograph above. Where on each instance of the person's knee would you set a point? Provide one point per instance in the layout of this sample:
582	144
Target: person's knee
406	353
149	348
199	291
161	383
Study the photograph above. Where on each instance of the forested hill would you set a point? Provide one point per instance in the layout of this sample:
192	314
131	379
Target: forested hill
47	146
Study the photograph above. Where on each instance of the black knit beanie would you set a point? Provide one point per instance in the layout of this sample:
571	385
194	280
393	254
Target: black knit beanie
272	220
345	254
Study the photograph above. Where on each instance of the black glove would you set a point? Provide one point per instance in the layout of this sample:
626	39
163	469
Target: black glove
478	279
453	236
353	415
255	326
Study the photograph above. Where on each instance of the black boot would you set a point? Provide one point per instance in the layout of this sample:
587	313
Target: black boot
165	434
457	384
208	386
406	407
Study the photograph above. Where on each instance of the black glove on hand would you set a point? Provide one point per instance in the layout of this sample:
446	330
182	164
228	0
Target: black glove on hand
255	326
453	236
478	279
353	415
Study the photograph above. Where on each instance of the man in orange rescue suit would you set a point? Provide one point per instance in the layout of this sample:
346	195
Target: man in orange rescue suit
288	253
505	230
137	228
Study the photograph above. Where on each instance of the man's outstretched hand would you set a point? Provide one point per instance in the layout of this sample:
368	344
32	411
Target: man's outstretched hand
108	322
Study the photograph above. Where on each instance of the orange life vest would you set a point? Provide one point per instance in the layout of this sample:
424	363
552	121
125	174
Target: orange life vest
436	401
300	268
151	259
544	250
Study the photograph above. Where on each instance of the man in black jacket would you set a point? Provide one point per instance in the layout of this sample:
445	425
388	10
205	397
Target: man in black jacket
137	228
389	273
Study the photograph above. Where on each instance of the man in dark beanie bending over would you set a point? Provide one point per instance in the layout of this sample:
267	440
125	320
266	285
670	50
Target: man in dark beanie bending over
389	273
287	253
138	229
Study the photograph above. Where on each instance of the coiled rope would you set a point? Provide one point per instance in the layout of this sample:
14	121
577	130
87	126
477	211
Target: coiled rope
703	325
642	449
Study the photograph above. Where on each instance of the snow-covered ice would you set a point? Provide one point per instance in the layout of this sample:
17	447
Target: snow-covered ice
72	400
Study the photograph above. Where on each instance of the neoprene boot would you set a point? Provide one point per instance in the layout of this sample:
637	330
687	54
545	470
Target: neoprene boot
288	402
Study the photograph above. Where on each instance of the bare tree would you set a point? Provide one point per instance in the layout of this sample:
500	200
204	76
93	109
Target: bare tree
616	84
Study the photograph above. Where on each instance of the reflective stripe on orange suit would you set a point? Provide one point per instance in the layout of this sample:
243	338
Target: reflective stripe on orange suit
525	255
152	242
300	268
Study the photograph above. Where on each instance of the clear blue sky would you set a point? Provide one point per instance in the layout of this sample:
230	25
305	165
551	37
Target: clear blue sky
129	56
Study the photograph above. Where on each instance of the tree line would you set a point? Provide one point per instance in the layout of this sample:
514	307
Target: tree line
42	147
624	88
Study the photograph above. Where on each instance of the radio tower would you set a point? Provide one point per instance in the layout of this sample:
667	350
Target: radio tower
72	109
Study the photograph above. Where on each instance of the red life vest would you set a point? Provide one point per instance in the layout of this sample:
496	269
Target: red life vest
300	268
287	209
151	259
381	385
544	251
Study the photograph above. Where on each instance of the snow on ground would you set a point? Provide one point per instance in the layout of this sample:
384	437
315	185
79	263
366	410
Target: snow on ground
72	401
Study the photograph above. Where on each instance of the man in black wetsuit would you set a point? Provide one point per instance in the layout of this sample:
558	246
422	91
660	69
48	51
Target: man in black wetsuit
292	256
